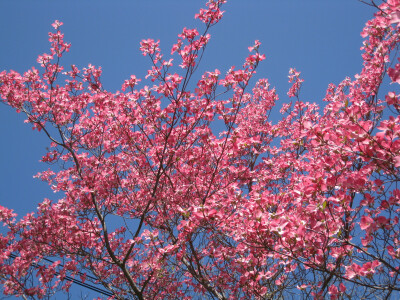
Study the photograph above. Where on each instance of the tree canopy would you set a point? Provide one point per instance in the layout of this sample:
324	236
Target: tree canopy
183	187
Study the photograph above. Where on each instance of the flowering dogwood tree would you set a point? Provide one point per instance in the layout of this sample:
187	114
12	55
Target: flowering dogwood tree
158	206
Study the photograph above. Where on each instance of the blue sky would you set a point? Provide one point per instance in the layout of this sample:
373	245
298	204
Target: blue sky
320	38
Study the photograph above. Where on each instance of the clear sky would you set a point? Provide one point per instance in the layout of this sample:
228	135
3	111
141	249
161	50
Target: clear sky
320	38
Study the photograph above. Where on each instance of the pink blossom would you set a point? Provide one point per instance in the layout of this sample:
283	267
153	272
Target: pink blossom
57	24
